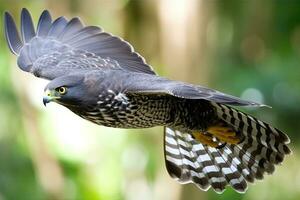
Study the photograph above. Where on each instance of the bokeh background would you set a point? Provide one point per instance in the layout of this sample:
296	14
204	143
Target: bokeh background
249	49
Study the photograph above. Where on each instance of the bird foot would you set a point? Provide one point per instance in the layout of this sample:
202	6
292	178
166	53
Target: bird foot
216	136
207	139
224	134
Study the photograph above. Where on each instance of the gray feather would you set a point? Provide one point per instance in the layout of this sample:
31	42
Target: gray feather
82	34
73	26
11	34
27	28
65	46
57	27
182	90
44	24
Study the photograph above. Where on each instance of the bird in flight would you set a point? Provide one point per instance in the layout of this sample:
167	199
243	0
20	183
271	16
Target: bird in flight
102	79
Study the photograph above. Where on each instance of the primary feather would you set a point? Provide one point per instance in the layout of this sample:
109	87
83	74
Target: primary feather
62	39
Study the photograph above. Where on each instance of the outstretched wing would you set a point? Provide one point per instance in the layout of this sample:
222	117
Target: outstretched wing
140	86
63	46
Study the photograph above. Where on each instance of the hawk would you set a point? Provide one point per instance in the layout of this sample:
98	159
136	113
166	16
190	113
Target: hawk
102	79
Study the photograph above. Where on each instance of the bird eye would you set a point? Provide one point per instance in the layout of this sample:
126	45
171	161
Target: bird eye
61	90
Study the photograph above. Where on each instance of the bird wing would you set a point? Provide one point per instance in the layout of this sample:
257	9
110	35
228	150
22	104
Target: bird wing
63	46
155	85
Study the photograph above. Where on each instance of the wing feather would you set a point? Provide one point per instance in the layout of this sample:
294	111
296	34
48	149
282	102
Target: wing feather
64	46
27	28
73	26
44	24
83	33
163	86
57	27
12	35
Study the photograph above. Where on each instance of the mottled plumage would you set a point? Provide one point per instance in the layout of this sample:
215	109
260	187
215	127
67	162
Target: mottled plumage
99	77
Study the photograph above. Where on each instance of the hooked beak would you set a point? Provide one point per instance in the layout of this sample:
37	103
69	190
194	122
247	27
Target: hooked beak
48	97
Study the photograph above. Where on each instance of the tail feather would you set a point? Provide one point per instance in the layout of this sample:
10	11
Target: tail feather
231	158
219	165
180	168
228	170
204	167
252	127
261	149
213	171
257	132
249	161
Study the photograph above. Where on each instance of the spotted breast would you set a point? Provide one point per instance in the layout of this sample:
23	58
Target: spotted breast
120	110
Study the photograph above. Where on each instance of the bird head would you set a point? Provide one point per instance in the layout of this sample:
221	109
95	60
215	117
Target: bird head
66	90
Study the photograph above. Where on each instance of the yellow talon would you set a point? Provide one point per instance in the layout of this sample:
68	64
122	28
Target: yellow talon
233	140
222	134
228	139
205	139
221	131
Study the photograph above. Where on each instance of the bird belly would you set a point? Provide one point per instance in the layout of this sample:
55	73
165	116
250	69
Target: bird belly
137	112
192	115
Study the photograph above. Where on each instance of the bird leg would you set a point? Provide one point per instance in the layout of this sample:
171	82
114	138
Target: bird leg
217	135
224	134
204	138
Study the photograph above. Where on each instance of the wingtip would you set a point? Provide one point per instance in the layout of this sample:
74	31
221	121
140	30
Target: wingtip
11	34
6	21
27	27
260	105
46	13
264	105
6	14
7	17
44	23
24	10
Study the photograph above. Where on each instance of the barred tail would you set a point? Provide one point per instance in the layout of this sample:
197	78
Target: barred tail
189	161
